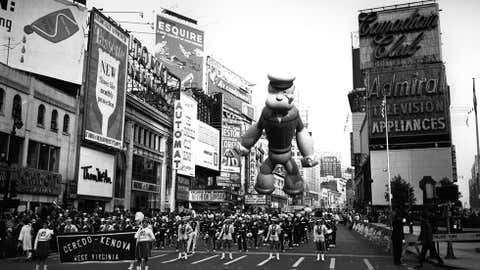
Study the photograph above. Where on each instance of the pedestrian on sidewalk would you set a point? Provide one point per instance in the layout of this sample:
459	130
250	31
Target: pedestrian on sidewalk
426	238
226	235
319	231
145	238
397	237
42	246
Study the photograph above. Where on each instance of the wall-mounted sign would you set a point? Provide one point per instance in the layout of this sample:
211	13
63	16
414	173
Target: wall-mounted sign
226	179
207	196
180	47
220	79
207	146
400	36
184	137
145	187
44	37
106	82
255	199
183	188
417	102
33	181
95	174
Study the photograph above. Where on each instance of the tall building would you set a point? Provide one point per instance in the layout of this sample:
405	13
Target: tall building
330	165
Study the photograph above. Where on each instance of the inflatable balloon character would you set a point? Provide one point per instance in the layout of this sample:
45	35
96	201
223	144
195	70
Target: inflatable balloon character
281	121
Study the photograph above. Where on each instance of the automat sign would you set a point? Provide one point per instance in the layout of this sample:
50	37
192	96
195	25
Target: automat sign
416	104
399	36
184	135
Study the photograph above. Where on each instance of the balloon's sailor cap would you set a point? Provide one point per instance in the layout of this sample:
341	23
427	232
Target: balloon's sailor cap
280	81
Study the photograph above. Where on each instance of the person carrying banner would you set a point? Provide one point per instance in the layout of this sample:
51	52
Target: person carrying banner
273	235
144	237
41	246
226	235
319	231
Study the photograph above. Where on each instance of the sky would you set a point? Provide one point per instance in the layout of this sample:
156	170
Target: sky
311	39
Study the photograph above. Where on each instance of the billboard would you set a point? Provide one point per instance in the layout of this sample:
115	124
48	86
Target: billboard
405	35
417	104
180	47
184	135
95	173
255	199
207	146
412	165
106	79
236	89
231	131
45	37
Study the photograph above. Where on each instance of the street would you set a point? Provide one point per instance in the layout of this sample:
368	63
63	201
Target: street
351	252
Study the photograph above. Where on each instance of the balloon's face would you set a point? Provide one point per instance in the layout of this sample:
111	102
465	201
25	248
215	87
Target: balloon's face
280	100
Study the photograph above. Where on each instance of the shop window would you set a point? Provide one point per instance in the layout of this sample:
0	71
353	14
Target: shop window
41	115
66	123
43	156
54	121
2	100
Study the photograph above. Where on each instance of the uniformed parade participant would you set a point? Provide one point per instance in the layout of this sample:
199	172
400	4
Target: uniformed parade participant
145	238
319	232
41	246
273	236
242	235
226	235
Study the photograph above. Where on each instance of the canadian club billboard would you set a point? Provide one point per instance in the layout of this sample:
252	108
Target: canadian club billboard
106	82
417	105
405	35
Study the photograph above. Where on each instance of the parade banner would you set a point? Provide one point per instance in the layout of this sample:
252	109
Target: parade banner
44	36
105	88
180	47
96	247
184	135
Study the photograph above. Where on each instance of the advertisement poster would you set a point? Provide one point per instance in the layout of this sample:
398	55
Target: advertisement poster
180	47
119	246
255	199
184	135
230	159
221	79
106	82
95	175
207	147
45	37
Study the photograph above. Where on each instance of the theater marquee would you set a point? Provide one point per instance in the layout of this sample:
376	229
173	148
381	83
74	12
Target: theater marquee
417	102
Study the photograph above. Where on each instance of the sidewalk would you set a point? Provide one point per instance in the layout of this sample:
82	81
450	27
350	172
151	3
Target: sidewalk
466	255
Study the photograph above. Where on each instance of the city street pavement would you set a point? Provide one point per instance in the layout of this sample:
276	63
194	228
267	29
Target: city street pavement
351	252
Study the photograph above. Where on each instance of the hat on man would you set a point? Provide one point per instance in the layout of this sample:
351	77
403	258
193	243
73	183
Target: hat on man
280	82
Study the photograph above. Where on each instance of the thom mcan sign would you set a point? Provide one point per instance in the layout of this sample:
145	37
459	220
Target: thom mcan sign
95	174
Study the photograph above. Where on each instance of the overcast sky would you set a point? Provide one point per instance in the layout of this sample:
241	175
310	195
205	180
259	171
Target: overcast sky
311	39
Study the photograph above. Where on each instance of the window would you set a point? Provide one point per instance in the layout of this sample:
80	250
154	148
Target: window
2	100
17	107
53	124
43	156
66	123
41	115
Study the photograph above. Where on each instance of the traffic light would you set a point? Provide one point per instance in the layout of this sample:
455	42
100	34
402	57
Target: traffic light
448	193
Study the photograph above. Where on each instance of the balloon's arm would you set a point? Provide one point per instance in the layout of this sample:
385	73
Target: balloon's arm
305	143
251	136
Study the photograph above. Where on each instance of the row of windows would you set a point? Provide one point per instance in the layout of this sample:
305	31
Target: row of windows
146	138
17	107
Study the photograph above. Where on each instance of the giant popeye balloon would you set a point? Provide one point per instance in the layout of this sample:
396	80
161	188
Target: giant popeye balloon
281	121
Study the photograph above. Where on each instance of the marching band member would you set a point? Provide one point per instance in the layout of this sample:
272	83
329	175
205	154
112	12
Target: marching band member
41	246
144	237
226	235
274	231
319	231
184	230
